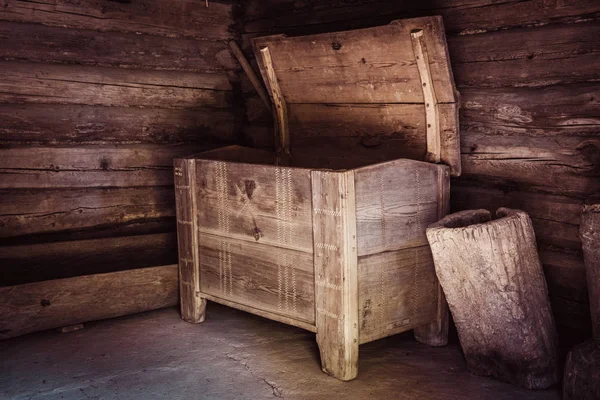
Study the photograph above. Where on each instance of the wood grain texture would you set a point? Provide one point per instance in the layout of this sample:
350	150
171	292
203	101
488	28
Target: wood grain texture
193	306
336	272
570	110
22	82
560	165
253	203
190	18
528	57
259	276
339	66
435	333
429	97
44	305
395	202
280	107
555	218
265	314
21	41
462	17
76	124
582	372
521	75
590	236
44	261
47	211
397	292
565	275
502	283
97	166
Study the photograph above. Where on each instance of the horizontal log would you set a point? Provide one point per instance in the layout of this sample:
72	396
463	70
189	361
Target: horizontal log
565	274
23	82
21	41
555	218
154	17
460	16
561	164
528	57
44	211
573	321
90	166
62	302
55	260
571	110
82	124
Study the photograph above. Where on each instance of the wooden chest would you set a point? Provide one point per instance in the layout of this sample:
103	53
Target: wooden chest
327	242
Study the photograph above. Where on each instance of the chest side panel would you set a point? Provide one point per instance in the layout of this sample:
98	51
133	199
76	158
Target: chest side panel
397	292
395	202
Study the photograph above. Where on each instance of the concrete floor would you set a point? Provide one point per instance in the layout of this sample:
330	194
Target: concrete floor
233	355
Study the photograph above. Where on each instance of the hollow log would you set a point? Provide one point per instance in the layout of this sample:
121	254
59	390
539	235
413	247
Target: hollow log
497	293
590	238
582	372
582	369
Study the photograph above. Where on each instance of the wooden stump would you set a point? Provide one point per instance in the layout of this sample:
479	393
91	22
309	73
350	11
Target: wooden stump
590	238
496	290
582	370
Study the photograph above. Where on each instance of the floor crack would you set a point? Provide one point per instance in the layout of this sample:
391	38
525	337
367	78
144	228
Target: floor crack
277	392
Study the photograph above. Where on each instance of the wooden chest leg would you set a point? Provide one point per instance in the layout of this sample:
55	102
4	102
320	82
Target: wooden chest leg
193	307
436	333
336	272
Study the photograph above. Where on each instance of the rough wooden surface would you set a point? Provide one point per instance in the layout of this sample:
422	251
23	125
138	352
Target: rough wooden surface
86	87
527	75
377	71
259	276
397	292
193	306
395	202
255	200
582	372
497	293
55	303
189	18
590	236
336	272
22	263
436	333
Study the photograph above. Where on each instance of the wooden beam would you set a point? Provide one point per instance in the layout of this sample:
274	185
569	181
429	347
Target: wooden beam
282	141
336	272
432	119
61	302
193	307
256	83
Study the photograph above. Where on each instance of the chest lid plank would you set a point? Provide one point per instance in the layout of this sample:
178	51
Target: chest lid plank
401	71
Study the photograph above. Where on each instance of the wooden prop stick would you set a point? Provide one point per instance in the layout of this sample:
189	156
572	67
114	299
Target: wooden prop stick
256	82
432	119
282	139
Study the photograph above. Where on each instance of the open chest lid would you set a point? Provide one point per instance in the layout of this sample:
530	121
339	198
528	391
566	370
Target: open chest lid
389	89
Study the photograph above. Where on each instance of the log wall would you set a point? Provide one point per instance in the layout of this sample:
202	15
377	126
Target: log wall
528	74
96	99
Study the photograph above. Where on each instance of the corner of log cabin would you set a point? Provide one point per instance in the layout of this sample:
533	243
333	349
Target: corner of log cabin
92	117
